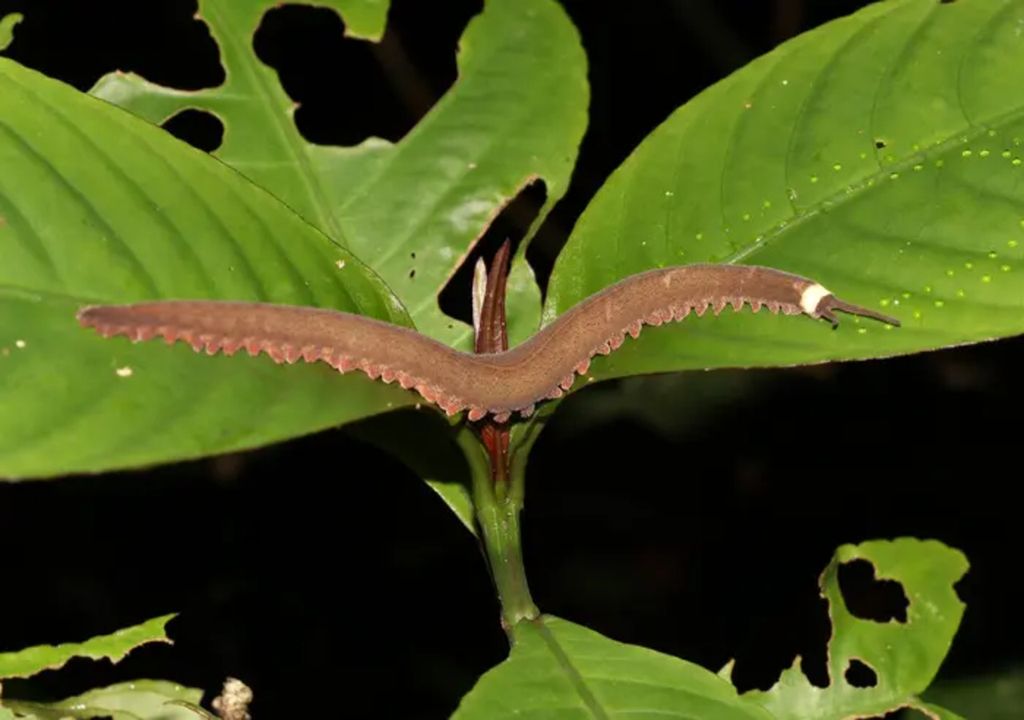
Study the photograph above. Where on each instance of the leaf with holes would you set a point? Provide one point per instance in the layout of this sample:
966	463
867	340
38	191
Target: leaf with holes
114	647
410	210
561	670
878	667
98	206
136	700
881	154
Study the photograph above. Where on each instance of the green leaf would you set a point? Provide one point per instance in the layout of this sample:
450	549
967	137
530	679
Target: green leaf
881	154
7	25
993	696
410	210
423	442
363	18
30	661
136	700
97	206
561	670
904	656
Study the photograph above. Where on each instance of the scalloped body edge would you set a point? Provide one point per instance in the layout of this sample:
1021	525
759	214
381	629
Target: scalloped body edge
500	384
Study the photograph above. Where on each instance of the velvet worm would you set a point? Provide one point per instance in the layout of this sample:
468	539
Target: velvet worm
497	384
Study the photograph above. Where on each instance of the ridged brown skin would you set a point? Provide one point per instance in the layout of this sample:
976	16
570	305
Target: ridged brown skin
497	384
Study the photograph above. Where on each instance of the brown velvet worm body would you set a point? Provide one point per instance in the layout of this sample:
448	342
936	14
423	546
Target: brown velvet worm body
497	384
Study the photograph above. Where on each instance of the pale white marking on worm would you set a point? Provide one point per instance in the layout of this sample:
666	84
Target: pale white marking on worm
811	297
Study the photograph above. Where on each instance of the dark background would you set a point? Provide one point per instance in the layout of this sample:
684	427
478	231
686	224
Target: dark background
352	591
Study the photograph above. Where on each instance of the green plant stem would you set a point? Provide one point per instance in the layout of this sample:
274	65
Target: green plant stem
497	514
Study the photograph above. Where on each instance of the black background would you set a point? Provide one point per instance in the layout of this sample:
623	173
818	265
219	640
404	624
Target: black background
334	582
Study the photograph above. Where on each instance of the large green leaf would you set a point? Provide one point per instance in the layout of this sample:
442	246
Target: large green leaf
882	154
561	670
410	210
99	206
904	656
135	700
114	647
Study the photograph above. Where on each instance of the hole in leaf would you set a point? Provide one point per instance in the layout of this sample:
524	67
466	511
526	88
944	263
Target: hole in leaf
791	625
80	42
880	143
902	714
200	129
868	598
348	89
511	224
860	675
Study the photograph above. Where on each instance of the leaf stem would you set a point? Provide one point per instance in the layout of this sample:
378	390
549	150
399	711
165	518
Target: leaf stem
497	514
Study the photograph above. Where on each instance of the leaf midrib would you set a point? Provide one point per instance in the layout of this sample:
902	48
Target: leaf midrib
576	680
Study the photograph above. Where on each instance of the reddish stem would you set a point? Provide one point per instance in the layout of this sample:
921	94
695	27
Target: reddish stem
492	337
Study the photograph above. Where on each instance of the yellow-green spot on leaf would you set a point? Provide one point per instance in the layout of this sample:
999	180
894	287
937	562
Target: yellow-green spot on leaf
984	153
986	278
939	303
950	273
746	216
814	178
906	295
960	293
940	162
884	302
966	153
767	204
1012	243
969	265
1016	162
699	236
917	314
928	288
837	167
1004	268
7	25
918	168
992	255
1006	154
861	331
